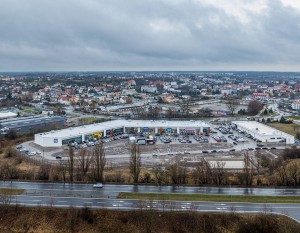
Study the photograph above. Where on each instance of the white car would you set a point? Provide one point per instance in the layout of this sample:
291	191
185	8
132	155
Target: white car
32	153
98	185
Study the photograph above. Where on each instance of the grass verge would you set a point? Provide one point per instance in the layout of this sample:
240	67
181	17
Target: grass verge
11	191
287	128
210	198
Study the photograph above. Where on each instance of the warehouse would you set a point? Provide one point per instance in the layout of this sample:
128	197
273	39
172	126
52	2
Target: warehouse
263	132
5	115
31	123
81	133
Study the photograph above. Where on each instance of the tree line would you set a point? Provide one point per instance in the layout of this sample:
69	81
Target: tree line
92	166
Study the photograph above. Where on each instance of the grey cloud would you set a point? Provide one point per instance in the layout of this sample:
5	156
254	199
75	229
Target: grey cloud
148	34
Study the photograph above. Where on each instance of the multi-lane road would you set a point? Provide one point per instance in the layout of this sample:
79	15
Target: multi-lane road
79	195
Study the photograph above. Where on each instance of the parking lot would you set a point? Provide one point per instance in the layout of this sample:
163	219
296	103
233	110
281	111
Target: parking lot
221	139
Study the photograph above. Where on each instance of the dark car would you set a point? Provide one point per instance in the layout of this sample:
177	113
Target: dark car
204	151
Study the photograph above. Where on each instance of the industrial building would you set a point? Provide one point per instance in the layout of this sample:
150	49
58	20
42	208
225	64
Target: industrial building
81	133
4	115
263	133
31	123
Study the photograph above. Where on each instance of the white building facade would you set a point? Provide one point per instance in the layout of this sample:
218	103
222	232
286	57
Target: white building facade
79	134
296	105
263	132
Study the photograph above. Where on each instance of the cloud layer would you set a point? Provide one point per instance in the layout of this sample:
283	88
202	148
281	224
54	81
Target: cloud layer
56	35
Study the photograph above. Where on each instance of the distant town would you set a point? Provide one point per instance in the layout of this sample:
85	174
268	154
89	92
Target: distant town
100	130
149	95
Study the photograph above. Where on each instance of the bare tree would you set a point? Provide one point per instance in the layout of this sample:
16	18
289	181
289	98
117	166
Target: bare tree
129	100
186	107
63	168
84	162
71	163
5	201
294	173
202	173
159	174
99	162
232	104
204	112
170	113
282	175
137	112
135	162
177	171
258	166
254	107
9	171
248	170
218	173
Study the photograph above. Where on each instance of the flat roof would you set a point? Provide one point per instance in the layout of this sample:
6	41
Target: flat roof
28	118
115	124
18	124
261	129
7	114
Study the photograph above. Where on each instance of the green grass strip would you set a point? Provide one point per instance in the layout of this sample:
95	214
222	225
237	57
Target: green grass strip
209	198
11	191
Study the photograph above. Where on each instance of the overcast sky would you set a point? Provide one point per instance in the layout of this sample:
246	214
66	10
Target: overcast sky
66	35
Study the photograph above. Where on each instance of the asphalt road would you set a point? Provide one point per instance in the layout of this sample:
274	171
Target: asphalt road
79	195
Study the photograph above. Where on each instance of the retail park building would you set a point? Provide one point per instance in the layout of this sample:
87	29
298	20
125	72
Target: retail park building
78	134
263	132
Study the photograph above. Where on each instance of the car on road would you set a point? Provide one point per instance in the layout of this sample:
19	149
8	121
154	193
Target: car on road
58	157
235	143
273	148
232	150
32	153
98	185
204	151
